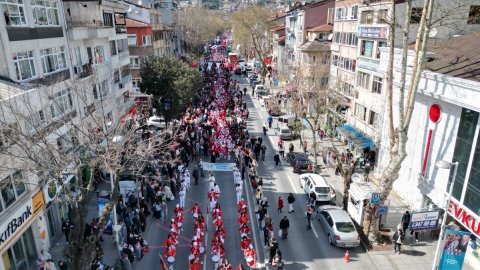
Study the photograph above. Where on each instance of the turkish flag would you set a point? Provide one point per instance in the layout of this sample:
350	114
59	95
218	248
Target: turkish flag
162	263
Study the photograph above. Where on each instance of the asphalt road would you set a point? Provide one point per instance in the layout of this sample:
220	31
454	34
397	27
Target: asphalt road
304	249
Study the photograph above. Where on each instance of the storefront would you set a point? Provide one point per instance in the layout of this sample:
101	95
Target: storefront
23	234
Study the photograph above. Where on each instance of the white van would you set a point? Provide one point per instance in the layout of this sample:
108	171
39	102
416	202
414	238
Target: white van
286	120
315	183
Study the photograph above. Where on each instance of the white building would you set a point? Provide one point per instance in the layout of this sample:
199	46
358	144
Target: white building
455	89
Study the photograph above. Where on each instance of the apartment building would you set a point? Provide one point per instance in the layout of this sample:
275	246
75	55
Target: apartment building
343	61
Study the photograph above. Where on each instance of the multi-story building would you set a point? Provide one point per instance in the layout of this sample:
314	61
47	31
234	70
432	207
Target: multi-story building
34	59
277	43
445	126
343	61
146	37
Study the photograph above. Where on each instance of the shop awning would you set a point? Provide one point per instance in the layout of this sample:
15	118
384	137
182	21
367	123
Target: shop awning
355	137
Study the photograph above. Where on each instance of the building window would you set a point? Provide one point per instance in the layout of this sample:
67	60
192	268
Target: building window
132	40
377	83
61	103
12	189
45	12
363	80
13	12
338	14
134	62
472	194
107	19
367	17
324	81
122	45
474	15
67	141
366	48
53	59
346	89
354	15
100	90
373	119
325	59
336	37
382	16
416	15
35	120
113	47
25	66
360	111
96	55
147	40
335	60
116	76
380	44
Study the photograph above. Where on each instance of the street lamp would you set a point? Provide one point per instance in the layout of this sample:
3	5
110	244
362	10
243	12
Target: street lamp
442	164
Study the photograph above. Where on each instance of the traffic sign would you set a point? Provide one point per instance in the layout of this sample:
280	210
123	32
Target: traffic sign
381	210
375	200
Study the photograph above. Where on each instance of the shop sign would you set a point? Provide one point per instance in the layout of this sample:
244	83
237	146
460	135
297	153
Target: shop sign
372	32
368	64
466	217
20	218
51	190
425	220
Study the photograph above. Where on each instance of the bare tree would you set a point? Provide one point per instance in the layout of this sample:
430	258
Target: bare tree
34	144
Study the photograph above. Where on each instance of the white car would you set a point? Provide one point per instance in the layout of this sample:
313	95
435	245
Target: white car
338	226
283	133
157	121
316	184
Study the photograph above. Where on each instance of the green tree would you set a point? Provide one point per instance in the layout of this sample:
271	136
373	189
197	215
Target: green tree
171	82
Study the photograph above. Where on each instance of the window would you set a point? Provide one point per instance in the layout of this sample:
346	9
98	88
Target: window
45	12
474	15
354	15
346	89
382	16
11	190
132	40
325	59
380	44
363	79
96	55
13	12
107	19
53	59
373	119
25	66
100	90
147	40
35	120
116	76
324	81
338	14
367	17
367	48
61	103
122	45
416	15
67	141
134	62
113	47
377	83
335	60
336	37
360	111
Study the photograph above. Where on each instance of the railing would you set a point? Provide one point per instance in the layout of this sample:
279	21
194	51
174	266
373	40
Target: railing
91	24
84	70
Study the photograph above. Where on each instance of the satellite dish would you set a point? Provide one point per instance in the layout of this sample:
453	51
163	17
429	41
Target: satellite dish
433	32
330	36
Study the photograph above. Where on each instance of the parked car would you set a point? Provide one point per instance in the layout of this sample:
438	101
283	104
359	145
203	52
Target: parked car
260	90
316	184
338	226
157	121
283	133
299	161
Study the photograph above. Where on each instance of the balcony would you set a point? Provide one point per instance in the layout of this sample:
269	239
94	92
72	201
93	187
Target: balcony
80	30
83	71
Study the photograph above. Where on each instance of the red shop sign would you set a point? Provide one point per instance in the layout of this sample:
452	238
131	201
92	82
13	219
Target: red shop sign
466	217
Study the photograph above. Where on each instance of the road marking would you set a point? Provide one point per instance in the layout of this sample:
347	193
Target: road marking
291	183
206	243
254	228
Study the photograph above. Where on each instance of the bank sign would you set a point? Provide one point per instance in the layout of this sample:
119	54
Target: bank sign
20	219
380	32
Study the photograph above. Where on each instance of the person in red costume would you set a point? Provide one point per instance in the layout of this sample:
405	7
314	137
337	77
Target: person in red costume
242	211
220	232
218	222
244	229
170	241
241	204
220	250
177	210
250	256
169	252
194	264
242	219
245	243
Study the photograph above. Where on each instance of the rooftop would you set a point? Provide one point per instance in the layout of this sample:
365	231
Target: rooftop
321	28
457	57
315	46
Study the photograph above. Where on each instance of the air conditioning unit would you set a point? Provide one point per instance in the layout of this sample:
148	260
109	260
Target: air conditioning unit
77	69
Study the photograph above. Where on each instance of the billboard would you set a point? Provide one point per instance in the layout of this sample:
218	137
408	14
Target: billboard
454	248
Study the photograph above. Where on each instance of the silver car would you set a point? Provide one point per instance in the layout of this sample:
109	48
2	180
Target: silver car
284	133
338	225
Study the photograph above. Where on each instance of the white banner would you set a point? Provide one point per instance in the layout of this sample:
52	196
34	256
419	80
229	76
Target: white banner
219	167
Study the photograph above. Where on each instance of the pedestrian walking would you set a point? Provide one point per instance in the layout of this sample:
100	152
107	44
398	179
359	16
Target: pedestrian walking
281	149
276	158
284	225
270	120
181	195
290	200
280	204
291	148
195	174
405	221
62	265
305	145
66	228
398	237
265	128
264	149
200	166
309	217
273	247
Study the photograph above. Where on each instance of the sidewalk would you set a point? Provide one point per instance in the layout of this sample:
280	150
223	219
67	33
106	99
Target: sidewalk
414	255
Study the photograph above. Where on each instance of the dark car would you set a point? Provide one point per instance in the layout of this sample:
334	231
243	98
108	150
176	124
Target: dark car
299	161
